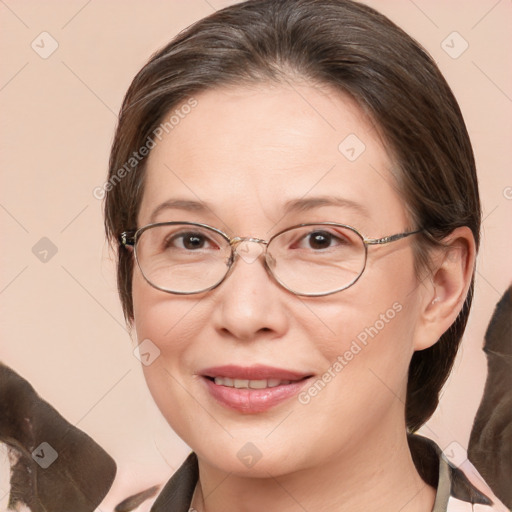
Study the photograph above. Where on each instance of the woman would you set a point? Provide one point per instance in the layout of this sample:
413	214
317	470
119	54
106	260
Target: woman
294	194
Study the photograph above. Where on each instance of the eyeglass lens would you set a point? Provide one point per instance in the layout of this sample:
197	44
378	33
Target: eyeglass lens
309	260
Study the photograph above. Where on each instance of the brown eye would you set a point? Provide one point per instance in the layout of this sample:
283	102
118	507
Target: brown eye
187	240
192	241
320	240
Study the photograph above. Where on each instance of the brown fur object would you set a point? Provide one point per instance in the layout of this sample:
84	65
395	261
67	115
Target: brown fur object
490	444
76	480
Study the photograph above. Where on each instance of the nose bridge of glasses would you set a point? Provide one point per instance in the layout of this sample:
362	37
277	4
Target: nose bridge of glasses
248	248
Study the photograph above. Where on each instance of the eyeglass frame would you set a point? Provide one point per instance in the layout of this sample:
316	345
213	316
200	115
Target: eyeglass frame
130	238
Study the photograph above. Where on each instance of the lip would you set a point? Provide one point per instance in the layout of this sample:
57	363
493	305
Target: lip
251	401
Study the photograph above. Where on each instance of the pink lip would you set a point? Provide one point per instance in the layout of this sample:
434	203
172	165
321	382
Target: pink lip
252	401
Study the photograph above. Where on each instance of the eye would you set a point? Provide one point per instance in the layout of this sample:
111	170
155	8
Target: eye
321	239
190	241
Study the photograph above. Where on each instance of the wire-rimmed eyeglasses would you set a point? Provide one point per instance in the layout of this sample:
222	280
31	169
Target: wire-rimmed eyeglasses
312	259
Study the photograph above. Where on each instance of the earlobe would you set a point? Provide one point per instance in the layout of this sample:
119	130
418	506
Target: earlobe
453	266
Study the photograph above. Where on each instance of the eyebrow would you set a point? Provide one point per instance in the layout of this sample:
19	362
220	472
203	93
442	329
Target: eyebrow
293	205
179	204
309	203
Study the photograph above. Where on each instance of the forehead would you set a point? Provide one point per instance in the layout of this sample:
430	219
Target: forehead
246	153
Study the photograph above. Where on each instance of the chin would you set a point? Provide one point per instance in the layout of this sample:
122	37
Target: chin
250	460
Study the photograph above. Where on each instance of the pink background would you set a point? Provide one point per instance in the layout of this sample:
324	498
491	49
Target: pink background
61	322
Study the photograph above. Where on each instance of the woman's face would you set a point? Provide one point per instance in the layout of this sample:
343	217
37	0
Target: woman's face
236	161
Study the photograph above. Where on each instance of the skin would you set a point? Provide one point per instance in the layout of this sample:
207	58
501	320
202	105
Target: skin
244	152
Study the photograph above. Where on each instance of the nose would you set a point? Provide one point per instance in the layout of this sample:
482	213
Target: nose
250	304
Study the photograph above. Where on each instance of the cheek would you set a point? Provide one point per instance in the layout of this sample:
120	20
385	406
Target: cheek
161	325
364	367
159	316
376	335
370	327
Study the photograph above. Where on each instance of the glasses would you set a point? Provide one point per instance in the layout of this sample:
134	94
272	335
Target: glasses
308	259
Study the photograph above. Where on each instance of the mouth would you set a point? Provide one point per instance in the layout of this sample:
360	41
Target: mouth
249	384
253	389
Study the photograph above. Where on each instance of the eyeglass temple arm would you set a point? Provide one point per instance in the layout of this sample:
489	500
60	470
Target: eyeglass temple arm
127	238
391	238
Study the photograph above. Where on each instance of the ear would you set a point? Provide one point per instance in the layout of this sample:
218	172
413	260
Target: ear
443	298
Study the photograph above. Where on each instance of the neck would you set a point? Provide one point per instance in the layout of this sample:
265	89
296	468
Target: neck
378	474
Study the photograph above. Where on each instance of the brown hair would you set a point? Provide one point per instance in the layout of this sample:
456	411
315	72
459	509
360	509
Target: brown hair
345	45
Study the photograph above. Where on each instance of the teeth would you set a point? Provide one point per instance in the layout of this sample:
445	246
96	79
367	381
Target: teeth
250	384
258	384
